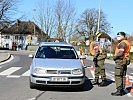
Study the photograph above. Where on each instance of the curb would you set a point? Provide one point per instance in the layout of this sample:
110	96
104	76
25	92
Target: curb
7	58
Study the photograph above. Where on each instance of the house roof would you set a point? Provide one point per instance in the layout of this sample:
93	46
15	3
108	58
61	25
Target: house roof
130	39
23	27
104	35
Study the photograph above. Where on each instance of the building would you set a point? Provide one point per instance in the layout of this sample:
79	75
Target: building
21	34
130	39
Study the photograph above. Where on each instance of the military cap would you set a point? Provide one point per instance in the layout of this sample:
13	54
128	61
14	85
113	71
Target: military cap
121	33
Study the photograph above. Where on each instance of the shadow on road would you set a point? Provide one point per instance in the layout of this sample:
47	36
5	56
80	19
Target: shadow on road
109	82
88	85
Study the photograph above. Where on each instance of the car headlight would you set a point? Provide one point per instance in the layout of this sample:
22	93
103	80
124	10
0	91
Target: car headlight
77	71
39	71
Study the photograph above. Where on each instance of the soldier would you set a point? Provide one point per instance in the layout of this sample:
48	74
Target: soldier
121	59
99	56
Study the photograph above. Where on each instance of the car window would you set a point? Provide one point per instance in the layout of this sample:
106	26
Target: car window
59	52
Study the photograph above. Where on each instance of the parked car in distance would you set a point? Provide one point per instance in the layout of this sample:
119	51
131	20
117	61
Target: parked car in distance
56	64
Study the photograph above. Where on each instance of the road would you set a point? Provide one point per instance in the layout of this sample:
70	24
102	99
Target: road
14	83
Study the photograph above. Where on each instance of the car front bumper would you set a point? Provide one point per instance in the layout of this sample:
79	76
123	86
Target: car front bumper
46	80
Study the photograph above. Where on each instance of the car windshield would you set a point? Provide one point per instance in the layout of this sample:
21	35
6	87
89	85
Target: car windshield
58	52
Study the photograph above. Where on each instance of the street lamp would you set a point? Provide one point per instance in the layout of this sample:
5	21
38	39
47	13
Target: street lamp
1	39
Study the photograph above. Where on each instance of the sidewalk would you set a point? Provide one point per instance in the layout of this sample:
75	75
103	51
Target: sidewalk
5	55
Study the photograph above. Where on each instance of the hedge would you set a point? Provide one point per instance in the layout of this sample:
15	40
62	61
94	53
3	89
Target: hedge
131	57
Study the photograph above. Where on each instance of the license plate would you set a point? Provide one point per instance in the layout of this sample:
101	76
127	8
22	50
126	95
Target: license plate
59	79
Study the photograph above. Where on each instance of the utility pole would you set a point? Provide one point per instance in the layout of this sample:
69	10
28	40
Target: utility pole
34	10
111	45
99	16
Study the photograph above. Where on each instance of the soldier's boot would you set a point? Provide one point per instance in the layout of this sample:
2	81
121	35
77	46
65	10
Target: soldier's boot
95	82
118	93
103	83
123	92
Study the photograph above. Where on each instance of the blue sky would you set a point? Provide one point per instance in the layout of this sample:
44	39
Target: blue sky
119	13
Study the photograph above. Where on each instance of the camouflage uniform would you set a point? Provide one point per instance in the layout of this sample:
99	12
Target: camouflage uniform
99	58
121	58
120	70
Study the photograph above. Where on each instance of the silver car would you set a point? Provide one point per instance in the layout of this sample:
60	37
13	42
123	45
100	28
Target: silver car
56	64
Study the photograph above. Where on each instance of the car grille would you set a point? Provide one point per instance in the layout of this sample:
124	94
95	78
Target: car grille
58	83
58	71
51	71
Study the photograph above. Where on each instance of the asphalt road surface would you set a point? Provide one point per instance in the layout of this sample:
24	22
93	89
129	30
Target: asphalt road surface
14	83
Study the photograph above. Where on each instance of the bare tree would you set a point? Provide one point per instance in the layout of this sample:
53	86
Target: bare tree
87	24
55	20
7	9
44	17
64	15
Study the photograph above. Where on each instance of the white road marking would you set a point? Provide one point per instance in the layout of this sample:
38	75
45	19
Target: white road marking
13	76
92	73
27	73
91	78
111	76
10	70
32	99
112	72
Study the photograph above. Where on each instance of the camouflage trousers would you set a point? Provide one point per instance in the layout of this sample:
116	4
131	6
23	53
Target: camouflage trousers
120	73
100	70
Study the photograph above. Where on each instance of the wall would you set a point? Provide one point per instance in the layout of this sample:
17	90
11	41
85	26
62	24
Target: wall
131	49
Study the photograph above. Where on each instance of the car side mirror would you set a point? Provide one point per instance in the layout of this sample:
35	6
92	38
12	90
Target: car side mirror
82	57
31	56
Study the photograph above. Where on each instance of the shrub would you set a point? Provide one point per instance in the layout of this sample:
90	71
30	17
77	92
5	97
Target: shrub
131	56
110	57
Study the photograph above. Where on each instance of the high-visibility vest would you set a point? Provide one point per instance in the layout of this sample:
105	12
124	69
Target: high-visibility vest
81	51
92	48
126	51
92	51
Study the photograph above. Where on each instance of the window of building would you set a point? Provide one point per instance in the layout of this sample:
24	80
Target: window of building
7	37
16	37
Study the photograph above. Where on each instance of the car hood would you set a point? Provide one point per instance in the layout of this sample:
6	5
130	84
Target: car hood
57	63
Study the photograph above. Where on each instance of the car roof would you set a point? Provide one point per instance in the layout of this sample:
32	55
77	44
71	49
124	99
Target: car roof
55	44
